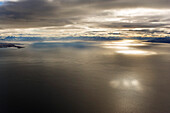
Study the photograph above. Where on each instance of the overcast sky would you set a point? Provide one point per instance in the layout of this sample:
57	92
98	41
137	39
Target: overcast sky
59	18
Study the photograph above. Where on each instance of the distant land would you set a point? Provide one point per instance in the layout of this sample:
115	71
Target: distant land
95	38
6	45
13	38
86	38
160	40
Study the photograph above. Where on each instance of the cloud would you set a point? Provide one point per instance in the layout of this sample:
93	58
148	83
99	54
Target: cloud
84	14
131	25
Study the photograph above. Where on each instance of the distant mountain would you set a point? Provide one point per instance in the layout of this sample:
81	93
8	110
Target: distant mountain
95	38
13	38
141	38
91	38
160	40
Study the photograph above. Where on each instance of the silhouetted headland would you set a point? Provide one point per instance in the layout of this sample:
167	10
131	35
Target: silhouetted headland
6	45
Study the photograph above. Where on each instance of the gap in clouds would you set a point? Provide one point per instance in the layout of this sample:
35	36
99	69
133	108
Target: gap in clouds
1	3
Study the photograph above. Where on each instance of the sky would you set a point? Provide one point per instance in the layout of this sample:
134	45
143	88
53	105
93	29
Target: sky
61	18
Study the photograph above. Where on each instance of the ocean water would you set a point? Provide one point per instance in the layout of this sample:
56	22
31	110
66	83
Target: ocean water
125	76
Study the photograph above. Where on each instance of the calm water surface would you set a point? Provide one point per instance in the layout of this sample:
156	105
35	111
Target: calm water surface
123	76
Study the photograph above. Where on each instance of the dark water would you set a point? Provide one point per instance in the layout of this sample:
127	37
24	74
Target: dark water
85	77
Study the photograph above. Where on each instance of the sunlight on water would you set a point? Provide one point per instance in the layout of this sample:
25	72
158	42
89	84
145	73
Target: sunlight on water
126	84
127	47
125	43
113	47
136	52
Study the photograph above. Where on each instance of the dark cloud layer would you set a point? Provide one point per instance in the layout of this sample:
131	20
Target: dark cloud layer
131	25
148	31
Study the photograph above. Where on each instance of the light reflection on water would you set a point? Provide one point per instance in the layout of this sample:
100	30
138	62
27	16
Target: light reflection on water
126	84
127	47
136	52
125	43
86	77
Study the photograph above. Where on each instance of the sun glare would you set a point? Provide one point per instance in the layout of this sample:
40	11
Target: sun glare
127	47
136	52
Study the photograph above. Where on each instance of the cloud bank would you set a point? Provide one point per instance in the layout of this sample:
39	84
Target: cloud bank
82	17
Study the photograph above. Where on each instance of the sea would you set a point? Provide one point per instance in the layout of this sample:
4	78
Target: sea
121	76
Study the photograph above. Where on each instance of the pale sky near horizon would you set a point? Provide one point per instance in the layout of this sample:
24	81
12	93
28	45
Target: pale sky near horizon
60	18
